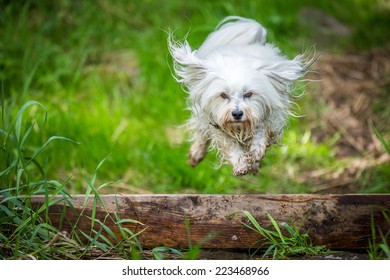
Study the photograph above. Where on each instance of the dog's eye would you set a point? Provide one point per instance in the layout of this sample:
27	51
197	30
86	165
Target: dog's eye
224	95
248	94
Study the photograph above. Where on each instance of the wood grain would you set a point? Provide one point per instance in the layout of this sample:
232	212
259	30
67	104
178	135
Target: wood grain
337	221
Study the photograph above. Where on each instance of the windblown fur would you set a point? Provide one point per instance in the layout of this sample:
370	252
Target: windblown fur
239	92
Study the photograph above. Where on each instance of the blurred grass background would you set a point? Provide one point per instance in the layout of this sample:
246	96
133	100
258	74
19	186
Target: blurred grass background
102	70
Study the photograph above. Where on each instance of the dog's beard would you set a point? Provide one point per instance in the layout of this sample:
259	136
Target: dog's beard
242	131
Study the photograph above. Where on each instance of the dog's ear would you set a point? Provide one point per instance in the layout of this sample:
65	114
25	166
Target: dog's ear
189	69
283	73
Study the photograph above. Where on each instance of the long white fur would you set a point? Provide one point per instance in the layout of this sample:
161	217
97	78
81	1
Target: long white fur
234	69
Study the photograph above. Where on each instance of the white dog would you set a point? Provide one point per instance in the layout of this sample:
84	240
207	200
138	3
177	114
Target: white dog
239	90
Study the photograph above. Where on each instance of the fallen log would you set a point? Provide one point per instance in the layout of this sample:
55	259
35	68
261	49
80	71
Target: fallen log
336	221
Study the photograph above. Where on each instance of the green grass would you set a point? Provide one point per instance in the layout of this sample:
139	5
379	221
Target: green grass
283	241
26	231
102	71
379	250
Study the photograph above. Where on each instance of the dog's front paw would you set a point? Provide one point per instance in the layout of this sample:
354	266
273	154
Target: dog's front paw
255	167
254	158
241	169
196	154
256	155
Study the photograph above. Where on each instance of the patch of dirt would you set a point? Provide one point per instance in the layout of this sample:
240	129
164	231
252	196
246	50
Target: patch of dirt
350	85
122	64
355	91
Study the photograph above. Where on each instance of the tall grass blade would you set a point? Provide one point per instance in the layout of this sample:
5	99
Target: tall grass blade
380	137
276	226
17	124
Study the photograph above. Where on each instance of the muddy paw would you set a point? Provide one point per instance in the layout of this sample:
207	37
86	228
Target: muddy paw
256	155
194	159
196	154
240	170
255	167
254	158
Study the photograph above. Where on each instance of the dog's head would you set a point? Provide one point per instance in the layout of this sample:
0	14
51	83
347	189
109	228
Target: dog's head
238	88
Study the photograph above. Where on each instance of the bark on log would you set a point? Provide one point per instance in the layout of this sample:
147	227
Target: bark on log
337	221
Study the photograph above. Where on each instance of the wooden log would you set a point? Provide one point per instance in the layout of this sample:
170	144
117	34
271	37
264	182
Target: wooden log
336	221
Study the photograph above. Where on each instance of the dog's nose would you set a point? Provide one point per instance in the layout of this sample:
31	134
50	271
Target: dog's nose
237	114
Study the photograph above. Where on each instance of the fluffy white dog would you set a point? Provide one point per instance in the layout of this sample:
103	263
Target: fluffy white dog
239	92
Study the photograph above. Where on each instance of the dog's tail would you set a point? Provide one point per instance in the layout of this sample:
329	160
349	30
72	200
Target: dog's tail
234	30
